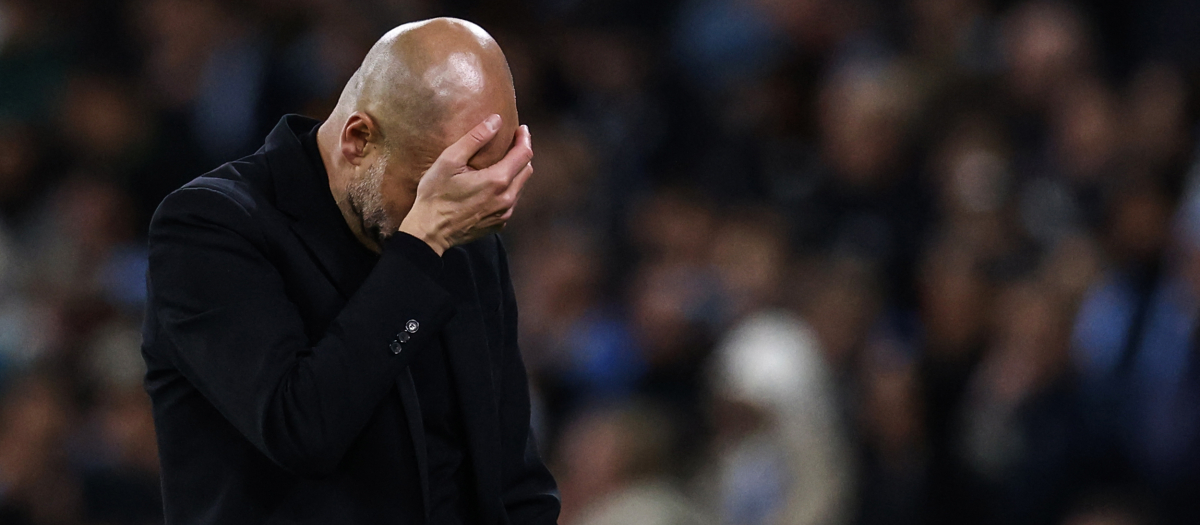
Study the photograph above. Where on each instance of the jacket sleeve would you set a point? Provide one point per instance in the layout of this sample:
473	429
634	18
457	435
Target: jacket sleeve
241	342
530	495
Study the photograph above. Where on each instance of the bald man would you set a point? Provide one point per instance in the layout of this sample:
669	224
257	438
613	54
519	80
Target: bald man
331	334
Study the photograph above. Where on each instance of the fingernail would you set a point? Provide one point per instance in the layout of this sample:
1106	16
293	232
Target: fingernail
492	122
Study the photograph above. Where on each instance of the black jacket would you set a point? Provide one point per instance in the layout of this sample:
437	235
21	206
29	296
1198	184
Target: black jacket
282	395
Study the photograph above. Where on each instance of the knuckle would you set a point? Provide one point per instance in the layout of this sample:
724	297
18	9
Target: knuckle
477	135
498	182
448	158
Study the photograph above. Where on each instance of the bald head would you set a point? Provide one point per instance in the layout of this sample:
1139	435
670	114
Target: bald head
427	83
420	88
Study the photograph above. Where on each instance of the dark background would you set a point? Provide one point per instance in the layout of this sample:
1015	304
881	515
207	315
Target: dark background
782	262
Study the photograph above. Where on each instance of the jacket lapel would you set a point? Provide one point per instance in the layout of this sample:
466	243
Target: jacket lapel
466	344
301	189
334	257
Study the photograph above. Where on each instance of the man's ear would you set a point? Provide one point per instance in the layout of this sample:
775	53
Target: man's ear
359	131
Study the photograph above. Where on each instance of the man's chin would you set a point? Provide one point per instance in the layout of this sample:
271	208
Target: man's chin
382	232
377	230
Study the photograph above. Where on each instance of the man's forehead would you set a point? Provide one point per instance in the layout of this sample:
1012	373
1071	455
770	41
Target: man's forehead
495	149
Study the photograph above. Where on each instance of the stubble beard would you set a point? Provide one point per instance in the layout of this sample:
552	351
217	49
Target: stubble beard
366	199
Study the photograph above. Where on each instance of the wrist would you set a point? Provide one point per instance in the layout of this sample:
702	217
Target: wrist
434	241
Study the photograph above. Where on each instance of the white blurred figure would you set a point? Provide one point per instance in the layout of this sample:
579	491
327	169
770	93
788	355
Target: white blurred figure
782	450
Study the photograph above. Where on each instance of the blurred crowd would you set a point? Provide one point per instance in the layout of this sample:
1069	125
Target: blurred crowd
783	262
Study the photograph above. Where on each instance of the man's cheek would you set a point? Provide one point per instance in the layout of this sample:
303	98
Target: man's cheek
398	209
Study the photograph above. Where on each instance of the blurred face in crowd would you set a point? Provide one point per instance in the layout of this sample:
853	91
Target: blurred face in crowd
100	117
92	214
34	422
557	285
674	228
1043	43
972	170
1140	222
17	160
862	112
941	26
1086	130
841	309
750	257
566	173
663	295
1030	346
953	301
891	411
1158	114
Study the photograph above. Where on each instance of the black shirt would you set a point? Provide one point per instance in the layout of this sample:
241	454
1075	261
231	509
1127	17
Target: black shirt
450	485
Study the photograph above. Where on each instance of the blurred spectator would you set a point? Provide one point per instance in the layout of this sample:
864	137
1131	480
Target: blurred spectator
614	470
955	303
577	348
1018	417
782	443
1045	45
37	483
894	468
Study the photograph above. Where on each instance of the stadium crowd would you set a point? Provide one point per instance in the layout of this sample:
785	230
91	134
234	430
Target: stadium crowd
782	262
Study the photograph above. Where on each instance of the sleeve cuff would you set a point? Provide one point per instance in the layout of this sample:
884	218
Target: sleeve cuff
417	252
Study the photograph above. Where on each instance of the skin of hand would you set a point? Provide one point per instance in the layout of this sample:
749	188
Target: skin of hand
455	203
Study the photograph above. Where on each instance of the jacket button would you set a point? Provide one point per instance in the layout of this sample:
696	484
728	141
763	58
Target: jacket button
395	346
411	326
402	337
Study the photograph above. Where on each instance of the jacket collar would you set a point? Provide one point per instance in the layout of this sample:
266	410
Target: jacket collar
298	185
301	188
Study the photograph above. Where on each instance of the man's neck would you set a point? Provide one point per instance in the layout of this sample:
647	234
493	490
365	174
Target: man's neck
327	144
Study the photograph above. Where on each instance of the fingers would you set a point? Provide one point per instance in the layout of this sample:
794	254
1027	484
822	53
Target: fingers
493	190
513	192
461	151
517	158
506	202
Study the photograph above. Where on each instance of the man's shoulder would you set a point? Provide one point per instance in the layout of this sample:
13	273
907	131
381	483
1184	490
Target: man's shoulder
226	193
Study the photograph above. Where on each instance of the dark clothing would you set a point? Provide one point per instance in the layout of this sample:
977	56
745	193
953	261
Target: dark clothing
445	442
297	377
